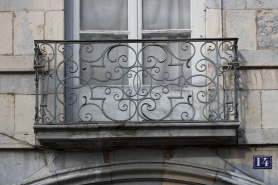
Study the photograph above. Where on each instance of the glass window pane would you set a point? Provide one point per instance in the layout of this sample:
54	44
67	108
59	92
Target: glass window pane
103	15
162	73
166	14
112	70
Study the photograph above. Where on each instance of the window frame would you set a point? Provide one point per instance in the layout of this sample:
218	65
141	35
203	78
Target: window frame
197	30
135	24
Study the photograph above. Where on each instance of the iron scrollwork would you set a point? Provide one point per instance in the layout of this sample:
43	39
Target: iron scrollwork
172	84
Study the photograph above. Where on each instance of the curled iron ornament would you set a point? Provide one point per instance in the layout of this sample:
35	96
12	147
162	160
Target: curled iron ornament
140	101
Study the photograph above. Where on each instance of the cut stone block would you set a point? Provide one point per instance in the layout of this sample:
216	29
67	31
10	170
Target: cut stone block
242	24
6	32
24	118
54	28
213	4
18	165
10	142
22	63
258	79
268	29
24	84
7	114
187	157
269	109
31	5
48	5
213	23
28	26
261	4
235	4
73	159
259	136
250	109
258	58
17	83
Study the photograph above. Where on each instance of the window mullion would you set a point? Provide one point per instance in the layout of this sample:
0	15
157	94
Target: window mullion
76	36
139	35
133	31
139	19
198	31
132	19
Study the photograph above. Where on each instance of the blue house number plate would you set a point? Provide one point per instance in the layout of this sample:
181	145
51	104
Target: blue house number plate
262	162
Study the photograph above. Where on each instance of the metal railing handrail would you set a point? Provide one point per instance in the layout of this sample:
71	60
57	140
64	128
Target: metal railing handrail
137	40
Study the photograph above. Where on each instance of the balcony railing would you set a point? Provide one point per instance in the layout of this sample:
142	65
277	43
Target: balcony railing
136	81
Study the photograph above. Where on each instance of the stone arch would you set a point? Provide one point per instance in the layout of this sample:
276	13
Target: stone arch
142	173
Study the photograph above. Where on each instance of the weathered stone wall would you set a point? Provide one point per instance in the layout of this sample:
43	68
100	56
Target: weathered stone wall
223	165
254	22
22	22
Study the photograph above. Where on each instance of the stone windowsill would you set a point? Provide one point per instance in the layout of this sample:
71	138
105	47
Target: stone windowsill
95	136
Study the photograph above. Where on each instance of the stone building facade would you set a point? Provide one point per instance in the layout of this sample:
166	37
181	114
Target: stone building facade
23	160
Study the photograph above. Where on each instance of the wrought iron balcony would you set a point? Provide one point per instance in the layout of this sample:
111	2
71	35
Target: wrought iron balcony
136	82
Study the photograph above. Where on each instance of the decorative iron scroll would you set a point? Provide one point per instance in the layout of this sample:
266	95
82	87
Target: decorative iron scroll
136	81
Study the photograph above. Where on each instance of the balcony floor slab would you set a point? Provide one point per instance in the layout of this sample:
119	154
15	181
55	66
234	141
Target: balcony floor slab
98	136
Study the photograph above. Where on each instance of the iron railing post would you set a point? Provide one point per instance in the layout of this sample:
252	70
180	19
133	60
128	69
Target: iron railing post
236	78
36	61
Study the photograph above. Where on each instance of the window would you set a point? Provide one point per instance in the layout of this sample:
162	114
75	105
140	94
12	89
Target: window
123	19
131	19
